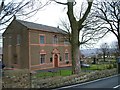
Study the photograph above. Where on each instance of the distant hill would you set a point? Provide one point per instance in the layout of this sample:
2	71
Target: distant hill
93	52
89	52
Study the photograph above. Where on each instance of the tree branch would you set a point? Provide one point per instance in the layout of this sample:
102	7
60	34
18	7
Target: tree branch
85	15
1	6
70	14
59	2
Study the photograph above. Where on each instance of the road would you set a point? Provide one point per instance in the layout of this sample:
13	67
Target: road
109	82
0	83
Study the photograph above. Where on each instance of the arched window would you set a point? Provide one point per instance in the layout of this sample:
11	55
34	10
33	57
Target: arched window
42	56
66	56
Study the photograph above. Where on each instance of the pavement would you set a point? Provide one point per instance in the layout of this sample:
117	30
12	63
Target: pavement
112	82
0	79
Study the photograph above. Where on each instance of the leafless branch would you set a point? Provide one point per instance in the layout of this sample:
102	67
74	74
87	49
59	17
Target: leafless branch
20	9
109	12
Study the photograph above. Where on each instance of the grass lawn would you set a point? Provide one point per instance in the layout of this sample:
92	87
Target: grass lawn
57	73
69	72
99	67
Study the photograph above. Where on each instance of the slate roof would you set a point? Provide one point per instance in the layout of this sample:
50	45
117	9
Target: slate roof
41	27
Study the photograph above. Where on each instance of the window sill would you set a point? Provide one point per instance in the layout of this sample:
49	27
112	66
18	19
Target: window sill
42	63
18	44
42	44
9	45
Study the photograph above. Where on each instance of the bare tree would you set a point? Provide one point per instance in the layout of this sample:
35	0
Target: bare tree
76	25
115	48
108	12
19	8
90	34
104	47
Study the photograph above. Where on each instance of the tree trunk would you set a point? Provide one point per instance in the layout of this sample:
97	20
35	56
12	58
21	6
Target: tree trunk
75	51
75	28
119	46
118	30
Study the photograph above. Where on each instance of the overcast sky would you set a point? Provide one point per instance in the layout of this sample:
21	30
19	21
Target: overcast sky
53	13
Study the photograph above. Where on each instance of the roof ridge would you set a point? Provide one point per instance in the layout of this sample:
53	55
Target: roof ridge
43	27
37	23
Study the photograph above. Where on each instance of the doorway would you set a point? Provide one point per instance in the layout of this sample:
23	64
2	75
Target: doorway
56	60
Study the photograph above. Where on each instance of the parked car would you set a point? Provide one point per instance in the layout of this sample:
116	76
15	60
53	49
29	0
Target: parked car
1	65
85	65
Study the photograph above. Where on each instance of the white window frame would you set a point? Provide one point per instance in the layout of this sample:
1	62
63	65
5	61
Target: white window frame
67	57
42	61
55	39
42	39
66	42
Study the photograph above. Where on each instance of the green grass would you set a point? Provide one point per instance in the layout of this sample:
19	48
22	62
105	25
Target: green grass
99	67
65	72
51	74
92	67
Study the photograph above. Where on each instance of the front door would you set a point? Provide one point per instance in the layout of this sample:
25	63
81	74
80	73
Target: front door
56	60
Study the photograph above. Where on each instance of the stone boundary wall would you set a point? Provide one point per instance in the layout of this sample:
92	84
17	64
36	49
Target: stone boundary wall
16	79
73	79
22	79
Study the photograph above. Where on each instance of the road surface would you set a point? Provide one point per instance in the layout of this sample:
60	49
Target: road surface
112	82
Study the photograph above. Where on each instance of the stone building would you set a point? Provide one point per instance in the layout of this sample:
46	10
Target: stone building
35	46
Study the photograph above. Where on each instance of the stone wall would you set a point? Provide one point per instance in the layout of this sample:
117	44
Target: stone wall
22	79
68	80
16	79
